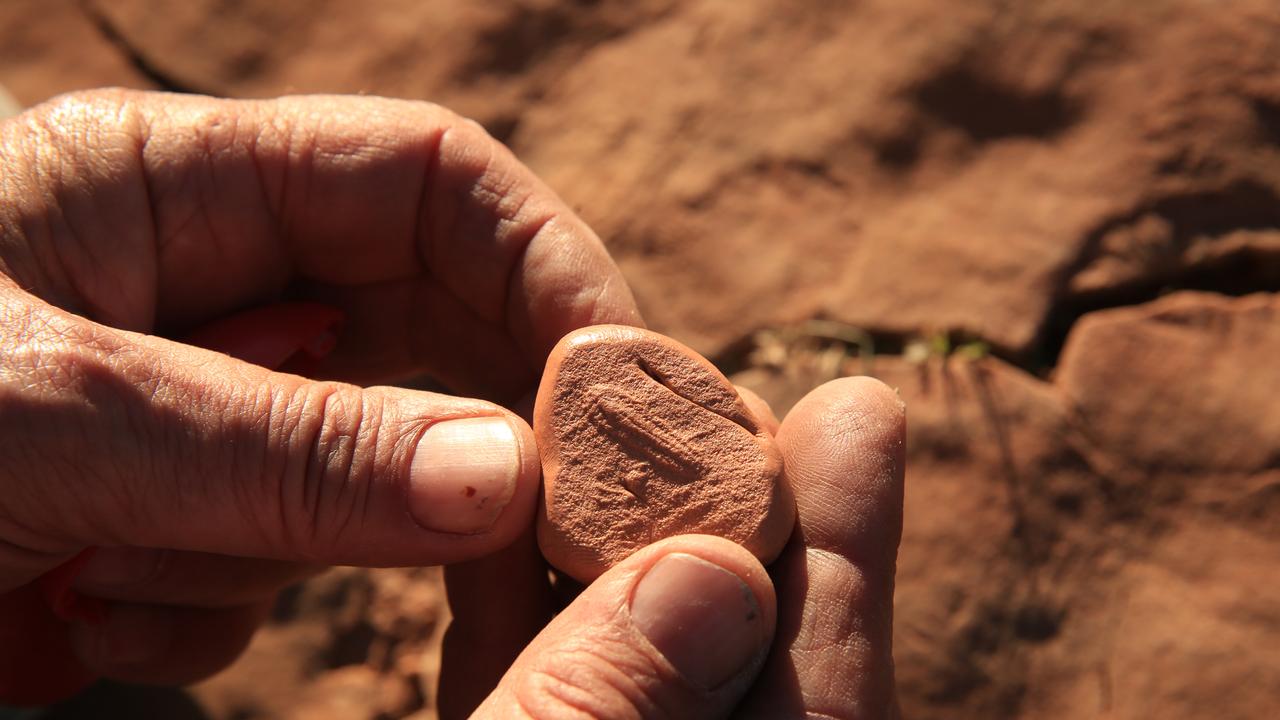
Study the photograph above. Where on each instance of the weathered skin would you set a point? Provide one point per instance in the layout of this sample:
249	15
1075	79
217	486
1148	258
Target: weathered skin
641	439
38	666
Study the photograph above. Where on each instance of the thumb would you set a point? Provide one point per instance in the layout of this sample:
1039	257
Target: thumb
129	439
679	629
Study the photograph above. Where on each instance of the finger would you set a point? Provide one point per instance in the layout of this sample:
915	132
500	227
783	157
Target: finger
760	408
498	605
166	577
163	645
679	629
843	450
452	236
130	440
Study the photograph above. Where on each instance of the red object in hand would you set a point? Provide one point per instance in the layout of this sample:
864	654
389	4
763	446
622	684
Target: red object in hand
67	604
292	337
37	664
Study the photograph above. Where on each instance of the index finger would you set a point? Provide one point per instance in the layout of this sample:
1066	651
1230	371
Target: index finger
203	206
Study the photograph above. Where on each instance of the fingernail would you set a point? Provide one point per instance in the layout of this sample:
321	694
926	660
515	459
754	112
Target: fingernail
464	473
701	617
132	635
118	567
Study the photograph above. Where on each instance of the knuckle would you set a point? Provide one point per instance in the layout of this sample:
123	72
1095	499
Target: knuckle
593	678
77	394
57	109
56	154
213	131
47	353
48	359
334	444
63	126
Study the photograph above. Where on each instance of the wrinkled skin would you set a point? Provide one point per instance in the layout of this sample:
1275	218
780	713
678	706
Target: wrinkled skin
210	483
36	619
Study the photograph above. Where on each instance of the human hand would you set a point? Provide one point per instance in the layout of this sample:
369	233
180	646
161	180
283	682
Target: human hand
683	628
210	483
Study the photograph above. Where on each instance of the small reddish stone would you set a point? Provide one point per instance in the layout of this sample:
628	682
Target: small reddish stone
641	439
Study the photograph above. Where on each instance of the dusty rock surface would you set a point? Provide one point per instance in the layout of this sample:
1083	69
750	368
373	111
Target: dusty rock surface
54	47
351	644
984	203
1094	544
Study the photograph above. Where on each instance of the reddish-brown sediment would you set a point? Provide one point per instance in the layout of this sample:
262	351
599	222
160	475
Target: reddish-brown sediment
641	439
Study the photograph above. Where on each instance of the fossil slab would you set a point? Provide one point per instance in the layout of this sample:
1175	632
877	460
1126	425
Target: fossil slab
642	438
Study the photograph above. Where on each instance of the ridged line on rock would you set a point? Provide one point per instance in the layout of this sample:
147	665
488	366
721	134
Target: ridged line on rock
1244	205
146	68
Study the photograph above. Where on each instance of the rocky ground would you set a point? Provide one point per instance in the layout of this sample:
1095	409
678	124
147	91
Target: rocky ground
1054	225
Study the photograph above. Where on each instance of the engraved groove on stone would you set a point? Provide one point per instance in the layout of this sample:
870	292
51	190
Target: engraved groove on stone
623	415
743	422
647	369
